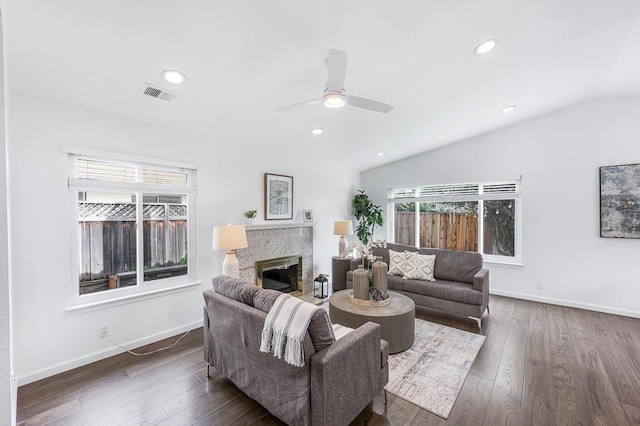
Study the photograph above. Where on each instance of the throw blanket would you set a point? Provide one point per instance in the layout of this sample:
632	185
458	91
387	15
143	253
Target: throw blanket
285	328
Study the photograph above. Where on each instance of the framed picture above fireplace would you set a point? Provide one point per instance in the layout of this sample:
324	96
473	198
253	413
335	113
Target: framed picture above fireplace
278	197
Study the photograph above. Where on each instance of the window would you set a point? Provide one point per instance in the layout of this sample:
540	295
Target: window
132	225
471	217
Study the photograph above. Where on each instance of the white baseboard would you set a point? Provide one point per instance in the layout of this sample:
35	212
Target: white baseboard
105	353
569	303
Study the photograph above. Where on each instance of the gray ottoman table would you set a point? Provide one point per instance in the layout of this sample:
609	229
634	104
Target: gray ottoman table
396	319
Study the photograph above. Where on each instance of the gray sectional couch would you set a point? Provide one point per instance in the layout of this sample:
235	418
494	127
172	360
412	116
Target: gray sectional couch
461	285
339	378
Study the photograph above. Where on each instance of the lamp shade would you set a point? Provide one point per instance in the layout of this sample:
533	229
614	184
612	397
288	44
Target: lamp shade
342	227
229	237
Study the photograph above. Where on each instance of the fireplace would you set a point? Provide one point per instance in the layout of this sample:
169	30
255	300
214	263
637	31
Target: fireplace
283	274
270	241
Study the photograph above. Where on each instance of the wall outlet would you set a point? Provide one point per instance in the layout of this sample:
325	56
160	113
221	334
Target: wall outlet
103	331
539	285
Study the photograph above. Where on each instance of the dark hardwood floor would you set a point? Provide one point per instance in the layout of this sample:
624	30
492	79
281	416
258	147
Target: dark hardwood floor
540	364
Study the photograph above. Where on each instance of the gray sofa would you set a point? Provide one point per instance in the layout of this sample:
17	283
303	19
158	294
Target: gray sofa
339	378
461	285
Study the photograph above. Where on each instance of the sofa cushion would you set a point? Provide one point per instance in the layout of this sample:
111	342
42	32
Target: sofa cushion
419	266
265	298
397	263
395	282
319	328
235	289
448	290
453	265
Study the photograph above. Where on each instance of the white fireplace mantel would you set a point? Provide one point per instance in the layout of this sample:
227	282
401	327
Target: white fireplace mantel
279	225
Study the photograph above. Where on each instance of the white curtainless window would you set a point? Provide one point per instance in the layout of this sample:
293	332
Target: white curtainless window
482	217
132	225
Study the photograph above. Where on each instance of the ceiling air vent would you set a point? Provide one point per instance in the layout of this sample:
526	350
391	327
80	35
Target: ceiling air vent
157	92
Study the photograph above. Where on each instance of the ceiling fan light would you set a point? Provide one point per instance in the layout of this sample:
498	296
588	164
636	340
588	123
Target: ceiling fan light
334	100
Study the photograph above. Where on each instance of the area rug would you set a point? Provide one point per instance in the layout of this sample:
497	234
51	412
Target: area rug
432	371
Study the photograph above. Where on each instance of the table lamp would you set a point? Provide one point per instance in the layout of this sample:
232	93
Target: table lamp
342	228
229	238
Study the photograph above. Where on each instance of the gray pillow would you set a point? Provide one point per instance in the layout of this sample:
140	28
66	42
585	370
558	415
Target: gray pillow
235	289
264	299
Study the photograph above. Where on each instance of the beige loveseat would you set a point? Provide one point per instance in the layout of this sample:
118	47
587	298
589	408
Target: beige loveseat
339	378
461	284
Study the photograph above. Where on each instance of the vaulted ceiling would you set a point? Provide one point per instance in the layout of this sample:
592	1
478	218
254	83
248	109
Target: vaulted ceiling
244	59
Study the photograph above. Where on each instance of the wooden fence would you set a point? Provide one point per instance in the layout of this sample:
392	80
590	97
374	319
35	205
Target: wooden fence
109	247
438	230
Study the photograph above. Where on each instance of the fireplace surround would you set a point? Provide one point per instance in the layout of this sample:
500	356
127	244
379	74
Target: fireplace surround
271	241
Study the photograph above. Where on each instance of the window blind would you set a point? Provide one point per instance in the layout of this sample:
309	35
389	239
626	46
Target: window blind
117	175
455	192
164	177
500	188
100	170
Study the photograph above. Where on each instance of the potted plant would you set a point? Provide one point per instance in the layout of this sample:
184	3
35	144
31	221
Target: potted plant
251	216
368	216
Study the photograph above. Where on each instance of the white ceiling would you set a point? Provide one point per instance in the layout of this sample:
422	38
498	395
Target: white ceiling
246	58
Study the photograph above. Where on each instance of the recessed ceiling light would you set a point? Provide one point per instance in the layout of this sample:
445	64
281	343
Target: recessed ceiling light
486	46
380	154
317	131
174	77
508	108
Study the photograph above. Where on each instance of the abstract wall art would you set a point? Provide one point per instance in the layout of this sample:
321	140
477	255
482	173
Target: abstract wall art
620	201
278	197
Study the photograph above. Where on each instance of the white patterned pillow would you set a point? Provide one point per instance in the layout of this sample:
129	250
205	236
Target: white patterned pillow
397	262
419	266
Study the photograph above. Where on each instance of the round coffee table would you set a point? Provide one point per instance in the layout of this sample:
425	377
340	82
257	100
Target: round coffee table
397	319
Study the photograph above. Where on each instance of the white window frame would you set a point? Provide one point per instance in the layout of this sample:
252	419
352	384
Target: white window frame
411	194
143	288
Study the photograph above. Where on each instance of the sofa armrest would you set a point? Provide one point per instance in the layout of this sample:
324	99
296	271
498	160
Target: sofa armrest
345	376
353	264
349	280
481	281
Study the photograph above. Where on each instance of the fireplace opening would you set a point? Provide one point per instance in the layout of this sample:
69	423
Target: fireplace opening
282	274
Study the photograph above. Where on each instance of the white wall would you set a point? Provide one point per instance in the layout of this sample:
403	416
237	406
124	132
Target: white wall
230	181
7	391
558	156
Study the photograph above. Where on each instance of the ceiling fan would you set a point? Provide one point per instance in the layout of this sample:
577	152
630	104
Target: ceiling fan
334	95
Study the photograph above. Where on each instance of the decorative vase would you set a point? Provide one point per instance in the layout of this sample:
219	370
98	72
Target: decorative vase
380	281
361	283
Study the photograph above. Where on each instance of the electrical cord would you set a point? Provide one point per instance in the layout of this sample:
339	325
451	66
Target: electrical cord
160	349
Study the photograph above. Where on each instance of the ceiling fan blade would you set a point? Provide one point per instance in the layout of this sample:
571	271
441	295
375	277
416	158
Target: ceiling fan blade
294	106
336	70
368	104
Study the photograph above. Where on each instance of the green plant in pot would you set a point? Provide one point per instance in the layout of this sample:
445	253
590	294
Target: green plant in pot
368	216
250	214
